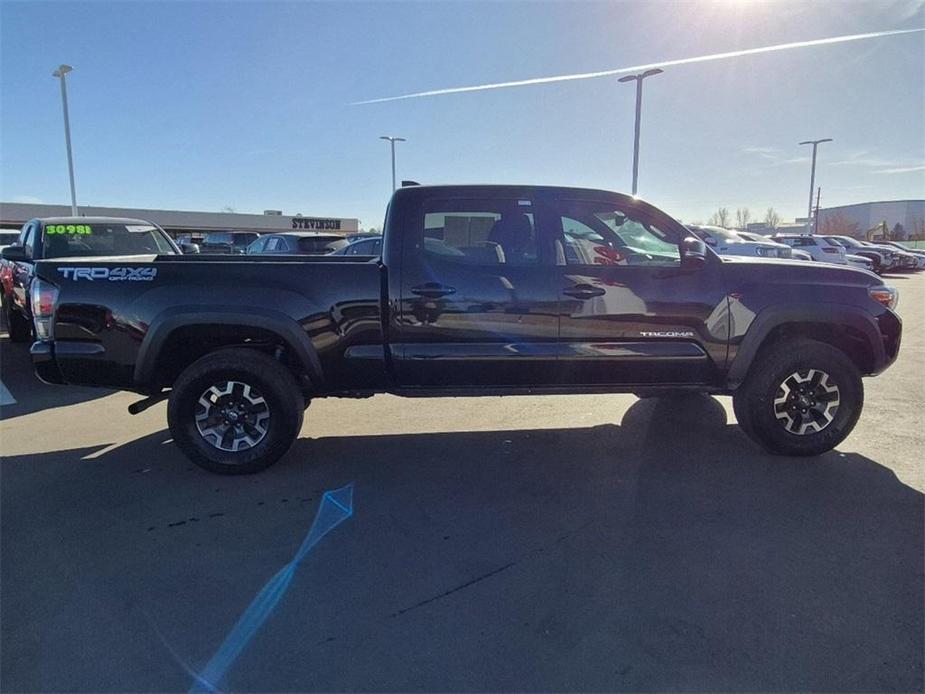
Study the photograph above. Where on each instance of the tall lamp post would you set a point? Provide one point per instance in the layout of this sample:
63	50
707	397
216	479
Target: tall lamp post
812	181
60	73
392	140
638	79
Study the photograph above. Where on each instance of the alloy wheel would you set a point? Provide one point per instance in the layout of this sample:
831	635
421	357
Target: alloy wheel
232	416
806	402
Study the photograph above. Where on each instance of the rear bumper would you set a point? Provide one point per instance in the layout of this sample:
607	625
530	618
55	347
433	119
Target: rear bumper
71	362
43	361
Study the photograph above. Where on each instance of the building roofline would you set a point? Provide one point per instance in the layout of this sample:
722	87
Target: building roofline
870	202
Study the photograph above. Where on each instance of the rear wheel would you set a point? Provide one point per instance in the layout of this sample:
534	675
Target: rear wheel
802	397
235	411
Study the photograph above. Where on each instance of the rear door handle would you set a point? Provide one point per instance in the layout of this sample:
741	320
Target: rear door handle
432	290
583	291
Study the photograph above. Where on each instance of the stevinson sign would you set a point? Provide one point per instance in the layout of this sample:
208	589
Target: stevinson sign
316	224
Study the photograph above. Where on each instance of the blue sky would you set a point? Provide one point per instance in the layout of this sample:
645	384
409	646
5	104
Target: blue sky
204	105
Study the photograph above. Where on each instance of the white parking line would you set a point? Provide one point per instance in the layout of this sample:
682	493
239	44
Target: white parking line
6	397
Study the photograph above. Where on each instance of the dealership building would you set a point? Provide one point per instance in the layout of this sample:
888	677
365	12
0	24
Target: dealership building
910	214
182	223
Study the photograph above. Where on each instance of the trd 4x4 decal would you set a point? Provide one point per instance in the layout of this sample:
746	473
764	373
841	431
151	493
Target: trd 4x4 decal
114	274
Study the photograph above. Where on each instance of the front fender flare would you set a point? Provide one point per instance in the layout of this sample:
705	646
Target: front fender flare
835	315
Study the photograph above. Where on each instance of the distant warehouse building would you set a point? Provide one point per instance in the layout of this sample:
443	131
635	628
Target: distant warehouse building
903	218
182	223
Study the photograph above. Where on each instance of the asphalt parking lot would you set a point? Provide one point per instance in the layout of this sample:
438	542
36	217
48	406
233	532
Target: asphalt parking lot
550	543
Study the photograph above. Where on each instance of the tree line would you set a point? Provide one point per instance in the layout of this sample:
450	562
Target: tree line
743	216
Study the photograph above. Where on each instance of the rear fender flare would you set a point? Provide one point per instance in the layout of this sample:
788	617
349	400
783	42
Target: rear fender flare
161	328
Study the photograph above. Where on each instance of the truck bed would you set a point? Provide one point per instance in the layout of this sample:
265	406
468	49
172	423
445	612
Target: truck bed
110	316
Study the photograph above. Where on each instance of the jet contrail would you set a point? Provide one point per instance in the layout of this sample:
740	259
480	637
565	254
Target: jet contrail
639	68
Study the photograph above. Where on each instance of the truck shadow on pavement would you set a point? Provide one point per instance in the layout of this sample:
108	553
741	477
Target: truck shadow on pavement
666	553
30	393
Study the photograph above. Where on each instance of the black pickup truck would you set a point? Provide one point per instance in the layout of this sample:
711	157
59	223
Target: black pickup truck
480	290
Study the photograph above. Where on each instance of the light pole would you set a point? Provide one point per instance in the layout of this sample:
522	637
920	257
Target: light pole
638	79
60	73
392	140
812	182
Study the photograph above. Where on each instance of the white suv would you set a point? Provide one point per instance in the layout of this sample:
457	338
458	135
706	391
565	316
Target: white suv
820	248
728	242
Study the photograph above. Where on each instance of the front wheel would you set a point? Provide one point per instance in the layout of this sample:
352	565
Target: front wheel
801	398
235	411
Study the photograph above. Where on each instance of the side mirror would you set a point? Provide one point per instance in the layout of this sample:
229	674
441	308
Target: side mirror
693	253
15	253
188	248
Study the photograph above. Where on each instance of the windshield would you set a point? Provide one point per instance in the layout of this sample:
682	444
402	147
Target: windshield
103	239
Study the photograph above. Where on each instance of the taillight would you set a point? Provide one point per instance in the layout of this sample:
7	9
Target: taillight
888	296
42	298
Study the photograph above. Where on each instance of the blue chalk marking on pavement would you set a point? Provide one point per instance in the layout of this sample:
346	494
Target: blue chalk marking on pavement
336	507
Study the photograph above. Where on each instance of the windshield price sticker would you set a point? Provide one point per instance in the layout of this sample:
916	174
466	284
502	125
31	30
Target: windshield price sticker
68	229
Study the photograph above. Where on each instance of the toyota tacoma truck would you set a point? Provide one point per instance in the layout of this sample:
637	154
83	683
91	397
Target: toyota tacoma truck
479	290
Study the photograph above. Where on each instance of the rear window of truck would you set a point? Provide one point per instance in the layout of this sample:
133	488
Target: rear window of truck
103	239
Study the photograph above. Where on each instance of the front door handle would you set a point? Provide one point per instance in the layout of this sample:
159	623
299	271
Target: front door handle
432	290
583	291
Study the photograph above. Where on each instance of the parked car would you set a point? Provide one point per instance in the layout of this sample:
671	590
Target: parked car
783	250
919	254
361	235
797	254
882	259
729	242
901	259
371	245
820	248
8	237
70	237
473	296
297	243
227	242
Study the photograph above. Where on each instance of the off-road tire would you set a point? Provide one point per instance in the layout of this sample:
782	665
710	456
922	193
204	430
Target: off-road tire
761	403
264	376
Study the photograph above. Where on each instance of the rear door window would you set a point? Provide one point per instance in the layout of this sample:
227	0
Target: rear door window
481	232
275	245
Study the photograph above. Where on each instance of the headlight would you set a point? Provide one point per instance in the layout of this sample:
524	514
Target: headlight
888	296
